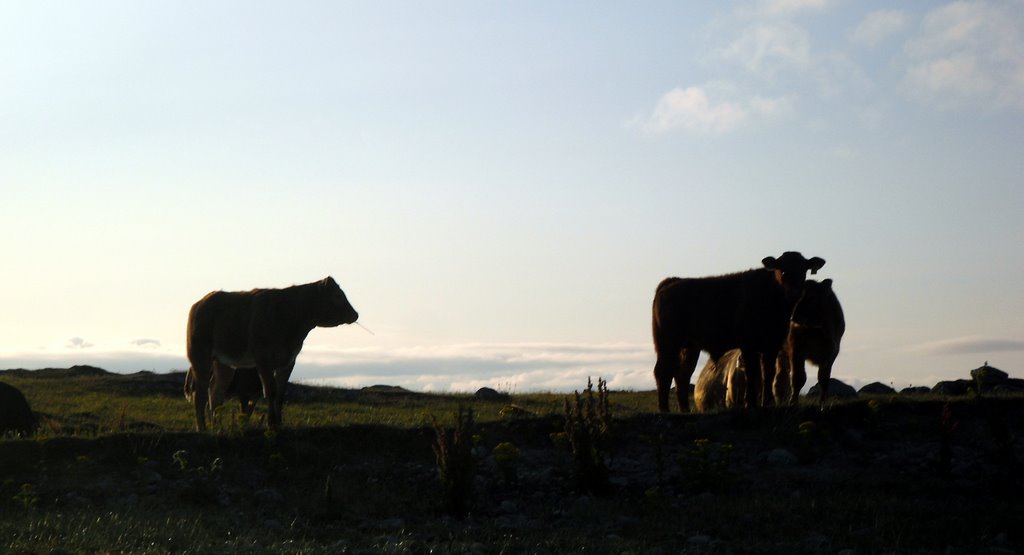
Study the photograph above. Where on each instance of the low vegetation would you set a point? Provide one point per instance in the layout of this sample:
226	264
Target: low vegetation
116	468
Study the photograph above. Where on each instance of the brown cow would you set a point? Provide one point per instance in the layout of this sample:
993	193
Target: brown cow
262	328
748	311
245	386
815	331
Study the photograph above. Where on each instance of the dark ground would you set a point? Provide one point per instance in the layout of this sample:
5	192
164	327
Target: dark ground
888	475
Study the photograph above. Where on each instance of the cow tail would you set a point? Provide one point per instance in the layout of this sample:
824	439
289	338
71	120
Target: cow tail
657	330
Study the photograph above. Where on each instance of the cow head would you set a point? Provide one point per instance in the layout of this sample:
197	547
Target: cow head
791	270
811	311
333	306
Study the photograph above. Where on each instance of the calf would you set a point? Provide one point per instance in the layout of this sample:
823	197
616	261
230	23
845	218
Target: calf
721	384
748	311
262	328
815	331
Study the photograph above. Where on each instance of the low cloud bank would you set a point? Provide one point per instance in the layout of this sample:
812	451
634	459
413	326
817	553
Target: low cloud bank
517	367
970	345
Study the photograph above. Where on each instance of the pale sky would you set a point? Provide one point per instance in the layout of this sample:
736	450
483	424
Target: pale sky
499	187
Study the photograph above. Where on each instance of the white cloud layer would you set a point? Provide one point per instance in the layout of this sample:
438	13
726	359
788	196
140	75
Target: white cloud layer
969	54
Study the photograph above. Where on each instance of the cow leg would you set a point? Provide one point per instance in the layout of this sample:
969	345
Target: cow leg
824	378
281	377
752	367
665	368
201	370
246	405
783	389
798	366
687	364
219	384
768	378
270	393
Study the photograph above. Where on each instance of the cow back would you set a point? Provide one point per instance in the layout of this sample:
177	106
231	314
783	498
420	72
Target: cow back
716	314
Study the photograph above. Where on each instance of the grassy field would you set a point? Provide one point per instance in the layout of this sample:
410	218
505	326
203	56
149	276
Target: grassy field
115	468
88	403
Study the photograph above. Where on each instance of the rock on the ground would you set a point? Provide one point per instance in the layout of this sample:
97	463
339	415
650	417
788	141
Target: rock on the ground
15	413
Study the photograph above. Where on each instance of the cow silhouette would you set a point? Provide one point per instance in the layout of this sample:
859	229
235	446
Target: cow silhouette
262	329
815	331
747	310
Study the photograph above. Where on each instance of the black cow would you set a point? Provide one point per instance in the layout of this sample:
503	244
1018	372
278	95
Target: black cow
749	311
815	331
262	328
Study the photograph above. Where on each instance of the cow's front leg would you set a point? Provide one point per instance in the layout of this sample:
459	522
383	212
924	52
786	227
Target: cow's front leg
281	377
767	378
270	394
665	368
686	367
752	367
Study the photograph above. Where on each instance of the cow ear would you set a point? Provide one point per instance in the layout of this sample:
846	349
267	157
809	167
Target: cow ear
815	264
769	262
827	283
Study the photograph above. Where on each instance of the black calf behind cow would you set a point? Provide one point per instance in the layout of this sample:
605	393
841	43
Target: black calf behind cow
748	310
815	330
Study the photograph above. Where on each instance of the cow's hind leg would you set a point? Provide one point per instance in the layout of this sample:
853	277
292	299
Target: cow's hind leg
201	371
666	368
687	364
223	375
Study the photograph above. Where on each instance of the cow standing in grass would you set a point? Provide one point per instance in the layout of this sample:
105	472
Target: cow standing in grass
262	328
748	311
815	330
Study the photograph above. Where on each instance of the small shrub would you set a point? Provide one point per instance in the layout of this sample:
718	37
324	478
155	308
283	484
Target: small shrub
706	467
27	496
453	449
811	440
506	458
587	425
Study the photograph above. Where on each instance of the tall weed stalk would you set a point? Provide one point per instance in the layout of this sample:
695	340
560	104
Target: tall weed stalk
587	425
453	449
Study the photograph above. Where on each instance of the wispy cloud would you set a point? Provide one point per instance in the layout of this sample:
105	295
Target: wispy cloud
693	109
969	54
146	343
78	343
769	47
782	7
969	345
878	26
